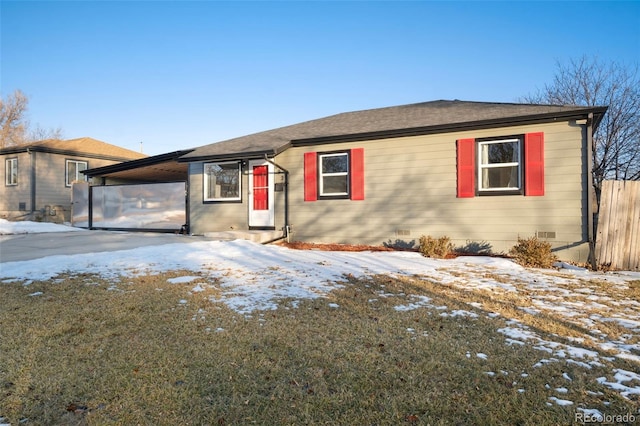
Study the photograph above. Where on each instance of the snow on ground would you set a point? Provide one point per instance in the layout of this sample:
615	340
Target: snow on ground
252	277
26	227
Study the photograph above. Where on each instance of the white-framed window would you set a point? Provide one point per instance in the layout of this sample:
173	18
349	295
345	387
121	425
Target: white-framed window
333	174
222	181
73	171
500	165
11	172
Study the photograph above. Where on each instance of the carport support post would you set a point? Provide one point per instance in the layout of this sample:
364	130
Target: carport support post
90	218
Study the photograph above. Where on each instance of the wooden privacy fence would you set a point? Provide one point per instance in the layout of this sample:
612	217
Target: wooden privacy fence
618	236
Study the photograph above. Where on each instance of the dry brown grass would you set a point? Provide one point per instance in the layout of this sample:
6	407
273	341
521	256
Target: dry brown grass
88	351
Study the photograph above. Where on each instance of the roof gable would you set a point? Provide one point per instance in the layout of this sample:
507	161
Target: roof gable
412	119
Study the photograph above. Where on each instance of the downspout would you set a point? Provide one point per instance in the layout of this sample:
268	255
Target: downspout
187	200
590	209
286	200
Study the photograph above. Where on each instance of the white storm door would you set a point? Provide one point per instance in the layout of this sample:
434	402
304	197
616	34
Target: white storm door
261	189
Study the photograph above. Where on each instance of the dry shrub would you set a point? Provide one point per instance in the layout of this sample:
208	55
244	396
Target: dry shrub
534	253
435	247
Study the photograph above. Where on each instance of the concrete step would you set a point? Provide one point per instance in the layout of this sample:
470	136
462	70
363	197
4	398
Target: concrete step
257	236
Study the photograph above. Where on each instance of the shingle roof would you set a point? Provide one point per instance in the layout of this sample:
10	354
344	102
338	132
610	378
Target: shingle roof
81	147
420	118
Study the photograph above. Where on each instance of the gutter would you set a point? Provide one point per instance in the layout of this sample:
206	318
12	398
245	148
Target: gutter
286	200
235	155
18	149
454	127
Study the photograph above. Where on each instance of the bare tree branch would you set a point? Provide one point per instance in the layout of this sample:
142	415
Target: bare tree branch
589	82
14	126
12	119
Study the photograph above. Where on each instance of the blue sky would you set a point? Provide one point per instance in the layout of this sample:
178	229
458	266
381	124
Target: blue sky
180	74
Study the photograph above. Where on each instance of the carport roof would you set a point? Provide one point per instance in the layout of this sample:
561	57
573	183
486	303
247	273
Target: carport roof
404	120
158	168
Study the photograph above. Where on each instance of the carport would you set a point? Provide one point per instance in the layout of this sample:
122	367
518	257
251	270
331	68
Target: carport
149	194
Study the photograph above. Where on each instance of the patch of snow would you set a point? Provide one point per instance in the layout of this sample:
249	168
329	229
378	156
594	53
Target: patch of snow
182	280
459	313
565	265
620	377
420	302
562	402
27	227
593	414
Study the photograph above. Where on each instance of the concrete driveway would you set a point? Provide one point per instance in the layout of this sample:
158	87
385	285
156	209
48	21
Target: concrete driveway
19	247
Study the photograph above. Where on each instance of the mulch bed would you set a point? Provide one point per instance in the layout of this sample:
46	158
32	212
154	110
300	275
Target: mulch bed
299	245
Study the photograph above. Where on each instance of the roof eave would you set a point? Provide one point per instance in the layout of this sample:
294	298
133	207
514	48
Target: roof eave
243	155
28	148
132	164
454	127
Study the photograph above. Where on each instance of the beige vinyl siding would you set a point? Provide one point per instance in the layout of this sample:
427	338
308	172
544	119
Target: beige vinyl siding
50	180
11	196
214	216
410	185
51	189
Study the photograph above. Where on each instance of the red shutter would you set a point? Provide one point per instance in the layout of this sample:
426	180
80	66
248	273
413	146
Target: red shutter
310	176
466	168
534	164
357	174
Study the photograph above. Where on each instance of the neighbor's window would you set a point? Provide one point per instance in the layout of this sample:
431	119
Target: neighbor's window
222	181
500	165
333	174
11	171
73	171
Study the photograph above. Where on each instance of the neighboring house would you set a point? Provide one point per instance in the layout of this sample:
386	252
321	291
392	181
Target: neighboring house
38	176
480	173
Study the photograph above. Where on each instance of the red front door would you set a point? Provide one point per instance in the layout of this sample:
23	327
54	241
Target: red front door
260	188
261	194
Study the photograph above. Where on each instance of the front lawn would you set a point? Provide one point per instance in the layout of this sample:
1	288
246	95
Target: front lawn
161	350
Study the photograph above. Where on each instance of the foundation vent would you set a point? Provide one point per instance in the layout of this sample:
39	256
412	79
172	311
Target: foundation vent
546	234
403	232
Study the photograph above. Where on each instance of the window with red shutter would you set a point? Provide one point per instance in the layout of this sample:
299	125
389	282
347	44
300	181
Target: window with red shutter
334	175
505	165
